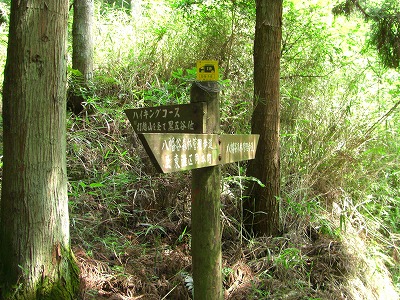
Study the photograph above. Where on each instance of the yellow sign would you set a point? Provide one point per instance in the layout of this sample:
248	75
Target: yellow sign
207	70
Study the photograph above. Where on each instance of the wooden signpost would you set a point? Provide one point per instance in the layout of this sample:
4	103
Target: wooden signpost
186	137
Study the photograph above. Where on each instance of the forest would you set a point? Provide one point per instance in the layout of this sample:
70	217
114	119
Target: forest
130	226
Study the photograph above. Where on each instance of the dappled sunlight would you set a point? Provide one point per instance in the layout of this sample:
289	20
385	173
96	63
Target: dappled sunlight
370	278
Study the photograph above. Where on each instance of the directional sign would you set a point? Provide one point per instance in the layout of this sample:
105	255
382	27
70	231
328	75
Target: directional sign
207	70
172	118
237	147
172	152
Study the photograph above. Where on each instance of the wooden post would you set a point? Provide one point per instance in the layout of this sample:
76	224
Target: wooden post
206	220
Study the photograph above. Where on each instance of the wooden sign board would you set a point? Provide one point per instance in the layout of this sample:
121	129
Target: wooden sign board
171	118
238	147
207	70
173	152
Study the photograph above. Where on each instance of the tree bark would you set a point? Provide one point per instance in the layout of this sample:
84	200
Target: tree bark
82	51
261	207
36	261
82	38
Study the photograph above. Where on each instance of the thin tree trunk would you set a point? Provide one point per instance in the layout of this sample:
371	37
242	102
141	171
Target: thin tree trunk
82	35
35	257
82	51
261	208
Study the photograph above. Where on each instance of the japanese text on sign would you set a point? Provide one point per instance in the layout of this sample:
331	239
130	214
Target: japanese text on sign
173	118
154	113
169	126
186	152
240	147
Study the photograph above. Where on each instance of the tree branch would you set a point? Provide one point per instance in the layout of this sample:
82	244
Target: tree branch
385	116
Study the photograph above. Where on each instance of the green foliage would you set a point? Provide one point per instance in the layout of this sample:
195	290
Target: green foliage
258	293
184	237
385	35
290	258
385	26
339	131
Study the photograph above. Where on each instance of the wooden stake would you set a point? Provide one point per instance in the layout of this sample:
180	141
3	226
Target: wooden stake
206	219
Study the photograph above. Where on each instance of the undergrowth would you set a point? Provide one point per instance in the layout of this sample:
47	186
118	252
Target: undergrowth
131	226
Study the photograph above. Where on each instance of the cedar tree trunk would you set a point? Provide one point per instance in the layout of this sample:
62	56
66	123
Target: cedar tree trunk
82	52
36	261
261	208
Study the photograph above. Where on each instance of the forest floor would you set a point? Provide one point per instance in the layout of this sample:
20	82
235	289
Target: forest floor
131	233
152	260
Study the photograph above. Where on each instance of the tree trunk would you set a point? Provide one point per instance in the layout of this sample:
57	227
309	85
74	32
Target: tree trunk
82	51
82	38
261	208
36	261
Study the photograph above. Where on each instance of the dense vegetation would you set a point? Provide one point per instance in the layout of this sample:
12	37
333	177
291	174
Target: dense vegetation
340	156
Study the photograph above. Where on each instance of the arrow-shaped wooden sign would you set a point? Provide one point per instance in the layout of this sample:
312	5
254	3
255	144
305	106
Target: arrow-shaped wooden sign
172	152
172	118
